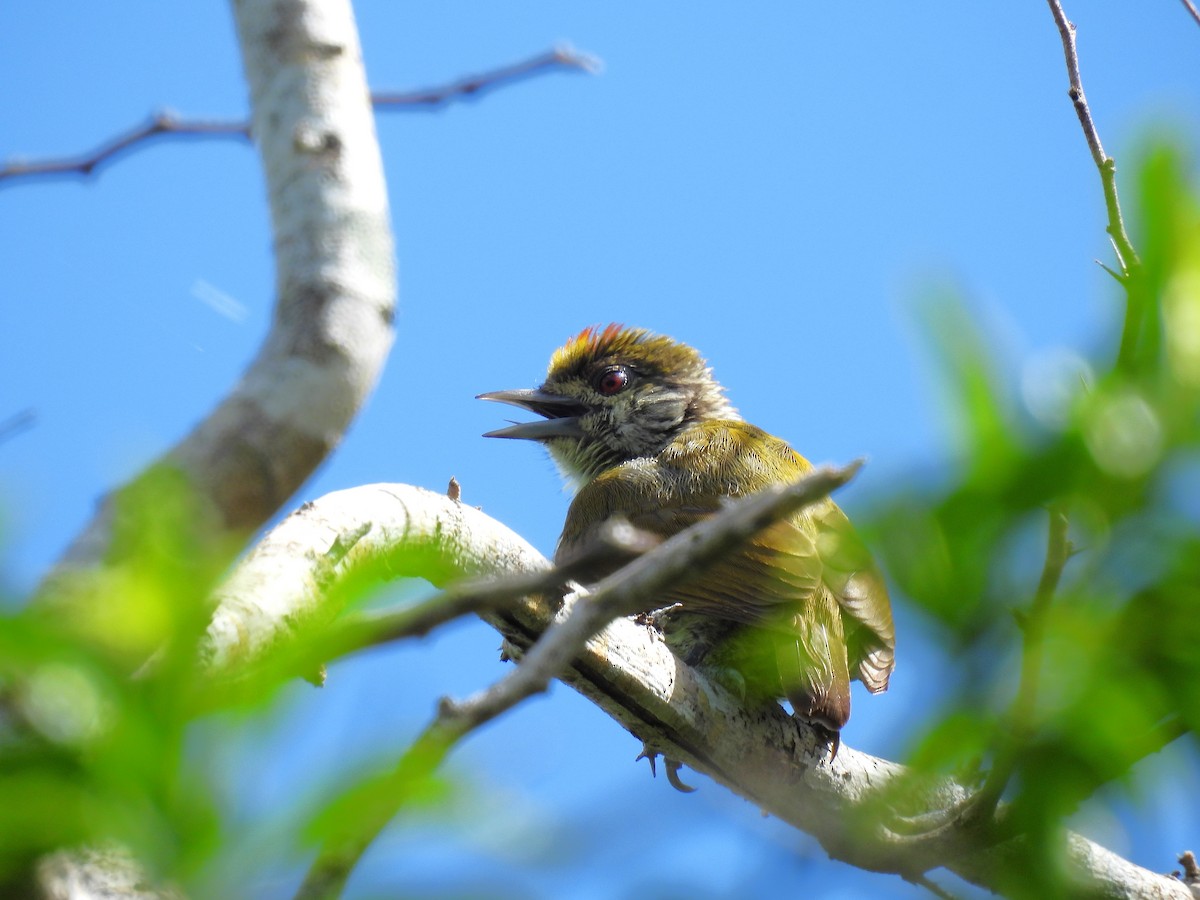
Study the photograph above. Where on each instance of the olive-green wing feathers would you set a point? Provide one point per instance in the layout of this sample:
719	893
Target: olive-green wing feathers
807	581
856	583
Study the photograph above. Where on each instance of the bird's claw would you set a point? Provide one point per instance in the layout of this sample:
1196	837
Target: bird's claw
672	766
650	755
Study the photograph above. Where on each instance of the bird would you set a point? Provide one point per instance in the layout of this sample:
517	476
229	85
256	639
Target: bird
639	426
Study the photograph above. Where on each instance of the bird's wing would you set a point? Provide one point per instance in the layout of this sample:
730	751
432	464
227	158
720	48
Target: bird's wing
811	657
775	583
854	581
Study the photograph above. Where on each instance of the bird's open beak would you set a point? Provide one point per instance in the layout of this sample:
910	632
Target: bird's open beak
561	414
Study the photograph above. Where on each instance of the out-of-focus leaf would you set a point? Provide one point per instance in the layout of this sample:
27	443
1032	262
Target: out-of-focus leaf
413	785
978	401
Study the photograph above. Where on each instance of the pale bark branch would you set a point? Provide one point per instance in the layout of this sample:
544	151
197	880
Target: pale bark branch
762	753
633	588
335	280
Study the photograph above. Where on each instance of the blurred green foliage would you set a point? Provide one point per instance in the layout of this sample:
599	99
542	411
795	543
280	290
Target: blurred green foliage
89	753
1116	655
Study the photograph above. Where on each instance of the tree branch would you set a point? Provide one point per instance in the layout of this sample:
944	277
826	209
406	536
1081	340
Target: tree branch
1191	8
168	124
634	588
562	57
760	753
335	286
1106	165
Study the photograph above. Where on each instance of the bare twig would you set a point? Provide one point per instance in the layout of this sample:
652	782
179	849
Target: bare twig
160	124
168	124
478	595
1126	255
561	57
1191	8
632	588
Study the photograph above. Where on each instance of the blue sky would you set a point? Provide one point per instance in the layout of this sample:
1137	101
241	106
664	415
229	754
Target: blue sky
776	183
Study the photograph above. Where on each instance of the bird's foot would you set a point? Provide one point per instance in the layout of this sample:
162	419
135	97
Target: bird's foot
657	618
672	766
830	737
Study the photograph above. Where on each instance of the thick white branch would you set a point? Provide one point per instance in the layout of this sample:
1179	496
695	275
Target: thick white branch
335	278
394	529
762	754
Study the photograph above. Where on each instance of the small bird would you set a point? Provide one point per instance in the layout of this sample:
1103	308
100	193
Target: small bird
638	423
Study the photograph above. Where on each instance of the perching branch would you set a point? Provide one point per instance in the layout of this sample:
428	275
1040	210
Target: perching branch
760	753
168	124
631	589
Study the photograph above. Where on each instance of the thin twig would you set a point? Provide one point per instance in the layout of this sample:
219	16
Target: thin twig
158	125
562	56
168	124
617	540
1129	264
1191	8
1126	255
632	588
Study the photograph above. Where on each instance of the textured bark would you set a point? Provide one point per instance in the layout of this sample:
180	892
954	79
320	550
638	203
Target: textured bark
335	279
329	338
762	754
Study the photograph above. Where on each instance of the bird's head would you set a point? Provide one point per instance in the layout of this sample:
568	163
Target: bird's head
613	395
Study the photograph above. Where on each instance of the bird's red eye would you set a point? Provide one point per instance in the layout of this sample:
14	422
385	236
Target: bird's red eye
611	381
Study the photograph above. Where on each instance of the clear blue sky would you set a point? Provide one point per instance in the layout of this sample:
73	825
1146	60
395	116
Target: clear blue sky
776	183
